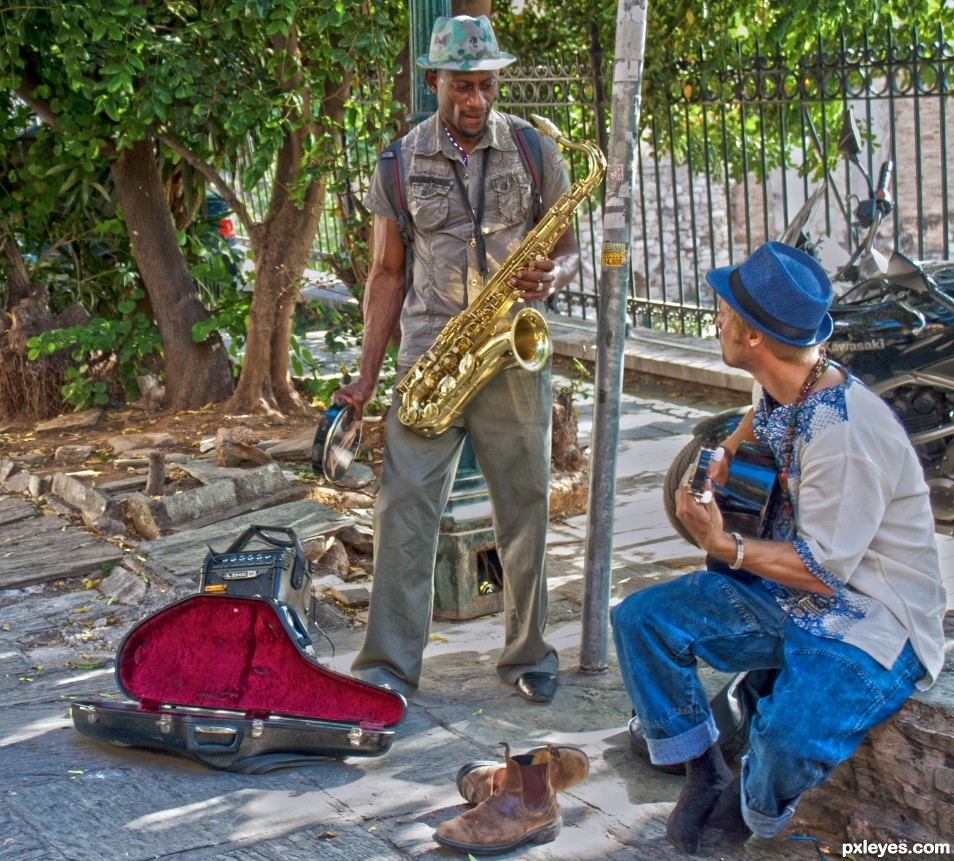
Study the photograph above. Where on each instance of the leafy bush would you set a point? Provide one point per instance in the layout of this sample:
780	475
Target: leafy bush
100	348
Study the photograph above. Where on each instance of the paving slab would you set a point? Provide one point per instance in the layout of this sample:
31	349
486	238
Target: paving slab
14	509
182	553
25	545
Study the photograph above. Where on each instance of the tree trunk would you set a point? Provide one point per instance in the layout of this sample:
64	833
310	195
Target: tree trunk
196	374
281	247
474	8
18	281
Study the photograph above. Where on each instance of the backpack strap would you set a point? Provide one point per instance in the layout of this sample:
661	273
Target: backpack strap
527	139
528	145
392	174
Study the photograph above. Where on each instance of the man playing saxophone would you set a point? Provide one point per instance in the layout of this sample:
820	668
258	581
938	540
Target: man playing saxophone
469	197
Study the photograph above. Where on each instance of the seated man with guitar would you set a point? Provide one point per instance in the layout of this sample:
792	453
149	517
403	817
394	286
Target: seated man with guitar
840	592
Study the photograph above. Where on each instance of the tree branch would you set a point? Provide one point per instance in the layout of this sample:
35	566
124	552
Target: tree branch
224	189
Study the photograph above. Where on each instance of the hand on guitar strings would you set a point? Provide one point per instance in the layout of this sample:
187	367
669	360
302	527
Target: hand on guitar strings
719	465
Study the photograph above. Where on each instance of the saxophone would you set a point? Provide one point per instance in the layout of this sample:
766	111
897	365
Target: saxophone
478	342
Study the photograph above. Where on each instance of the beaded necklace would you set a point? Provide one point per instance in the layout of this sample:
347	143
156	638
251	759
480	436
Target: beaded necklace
788	442
457	146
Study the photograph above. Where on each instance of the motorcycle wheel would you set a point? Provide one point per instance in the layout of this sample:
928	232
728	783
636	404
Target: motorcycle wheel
677	469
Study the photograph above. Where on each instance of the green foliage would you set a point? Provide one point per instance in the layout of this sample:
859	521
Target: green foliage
98	347
578	382
228	80
213	264
341	335
229	316
700	57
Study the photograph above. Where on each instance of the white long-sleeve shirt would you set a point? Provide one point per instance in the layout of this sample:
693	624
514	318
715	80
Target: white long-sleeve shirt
862	524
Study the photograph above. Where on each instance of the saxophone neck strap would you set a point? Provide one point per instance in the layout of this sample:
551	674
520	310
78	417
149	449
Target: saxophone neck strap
476	216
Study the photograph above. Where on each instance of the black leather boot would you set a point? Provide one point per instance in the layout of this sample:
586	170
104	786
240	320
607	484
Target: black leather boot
725	826
706	777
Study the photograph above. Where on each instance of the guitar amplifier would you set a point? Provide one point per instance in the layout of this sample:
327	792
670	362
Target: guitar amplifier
261	564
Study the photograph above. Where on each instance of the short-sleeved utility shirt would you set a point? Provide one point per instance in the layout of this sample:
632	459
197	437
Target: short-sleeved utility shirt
446	275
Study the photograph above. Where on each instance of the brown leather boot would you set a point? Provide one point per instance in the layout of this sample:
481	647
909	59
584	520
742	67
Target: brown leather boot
476	780
522	809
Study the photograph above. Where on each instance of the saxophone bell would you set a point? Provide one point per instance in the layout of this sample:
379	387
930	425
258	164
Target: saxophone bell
530	339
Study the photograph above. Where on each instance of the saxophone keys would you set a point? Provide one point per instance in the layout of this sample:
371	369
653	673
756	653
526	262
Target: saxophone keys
446	386
467	365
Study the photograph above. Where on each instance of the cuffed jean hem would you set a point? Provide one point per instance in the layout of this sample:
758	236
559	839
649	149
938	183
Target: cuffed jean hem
683	747
760	823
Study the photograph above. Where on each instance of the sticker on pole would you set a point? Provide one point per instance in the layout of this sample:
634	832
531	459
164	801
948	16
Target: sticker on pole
615	254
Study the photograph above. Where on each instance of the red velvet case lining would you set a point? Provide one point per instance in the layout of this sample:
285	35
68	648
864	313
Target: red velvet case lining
234	653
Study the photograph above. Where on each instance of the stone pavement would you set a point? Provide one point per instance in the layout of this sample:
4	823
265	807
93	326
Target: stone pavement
68	797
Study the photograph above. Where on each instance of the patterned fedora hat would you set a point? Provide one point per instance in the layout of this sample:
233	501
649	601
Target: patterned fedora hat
464	44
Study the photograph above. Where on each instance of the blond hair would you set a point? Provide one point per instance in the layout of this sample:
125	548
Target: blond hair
782	352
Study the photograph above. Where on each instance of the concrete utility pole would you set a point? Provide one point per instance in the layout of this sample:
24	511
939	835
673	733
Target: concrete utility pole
611	329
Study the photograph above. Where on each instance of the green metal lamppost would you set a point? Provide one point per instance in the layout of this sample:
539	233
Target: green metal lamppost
423	14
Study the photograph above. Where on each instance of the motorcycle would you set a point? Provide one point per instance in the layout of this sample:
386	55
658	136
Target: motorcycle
894	330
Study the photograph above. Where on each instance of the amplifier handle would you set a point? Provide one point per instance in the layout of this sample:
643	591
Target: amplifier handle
262	533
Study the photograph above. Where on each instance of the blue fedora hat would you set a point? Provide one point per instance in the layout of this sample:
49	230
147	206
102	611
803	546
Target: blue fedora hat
781	291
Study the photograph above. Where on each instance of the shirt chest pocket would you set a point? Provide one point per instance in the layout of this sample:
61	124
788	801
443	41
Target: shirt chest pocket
511	196
428	201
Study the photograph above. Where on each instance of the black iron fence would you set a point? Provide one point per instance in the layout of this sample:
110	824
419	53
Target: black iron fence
731	159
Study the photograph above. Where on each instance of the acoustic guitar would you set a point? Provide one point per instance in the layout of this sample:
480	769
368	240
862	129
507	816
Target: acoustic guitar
751	490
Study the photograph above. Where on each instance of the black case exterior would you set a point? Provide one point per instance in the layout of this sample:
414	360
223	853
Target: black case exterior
226	740
227	682
264	561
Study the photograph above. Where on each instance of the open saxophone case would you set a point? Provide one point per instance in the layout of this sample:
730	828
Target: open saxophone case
227	681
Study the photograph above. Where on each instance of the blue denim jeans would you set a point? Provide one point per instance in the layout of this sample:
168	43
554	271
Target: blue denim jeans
828	694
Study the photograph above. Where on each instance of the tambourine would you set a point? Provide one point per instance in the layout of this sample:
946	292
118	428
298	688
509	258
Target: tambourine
336	442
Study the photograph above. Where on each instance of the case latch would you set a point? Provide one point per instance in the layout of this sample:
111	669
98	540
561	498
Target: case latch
355	735
89	711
